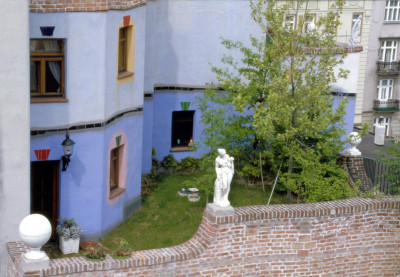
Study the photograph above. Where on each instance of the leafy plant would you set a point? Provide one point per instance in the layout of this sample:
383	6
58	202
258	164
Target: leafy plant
390	157
68	229
169	161
122	250
96	253
188	164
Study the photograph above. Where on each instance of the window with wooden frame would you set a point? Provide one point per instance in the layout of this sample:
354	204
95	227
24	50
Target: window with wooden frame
125	51
182	130
47	70
115	169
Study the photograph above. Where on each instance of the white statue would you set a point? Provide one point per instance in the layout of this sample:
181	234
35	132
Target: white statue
225	169
355	140
355	32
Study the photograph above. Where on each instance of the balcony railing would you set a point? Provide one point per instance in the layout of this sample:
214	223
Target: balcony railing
388	68
389	105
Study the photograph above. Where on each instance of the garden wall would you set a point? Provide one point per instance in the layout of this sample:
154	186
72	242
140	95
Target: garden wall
353	237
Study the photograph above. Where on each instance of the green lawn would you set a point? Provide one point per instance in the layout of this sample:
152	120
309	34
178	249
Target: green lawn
167	219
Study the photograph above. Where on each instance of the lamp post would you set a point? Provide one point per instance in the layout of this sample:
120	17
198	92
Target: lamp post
68	145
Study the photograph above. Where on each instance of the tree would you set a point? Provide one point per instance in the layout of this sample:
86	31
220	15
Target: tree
281	92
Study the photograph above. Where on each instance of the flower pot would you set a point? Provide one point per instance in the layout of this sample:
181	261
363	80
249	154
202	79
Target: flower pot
127	19
85	245
69	246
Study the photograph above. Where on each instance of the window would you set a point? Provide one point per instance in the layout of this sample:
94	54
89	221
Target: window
117	167
392	11
47	69
114	168
385	89
356	17
386	123
182	129
125	52
290	21
388	51
310	19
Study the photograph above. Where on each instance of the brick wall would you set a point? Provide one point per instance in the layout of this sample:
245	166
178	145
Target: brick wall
49	6
353	237
354	165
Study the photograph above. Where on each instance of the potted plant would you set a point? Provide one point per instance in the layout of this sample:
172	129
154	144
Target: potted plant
69	233
95	254
123	251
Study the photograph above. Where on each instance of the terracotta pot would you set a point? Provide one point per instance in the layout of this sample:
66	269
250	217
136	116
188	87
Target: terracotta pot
127	19
85	245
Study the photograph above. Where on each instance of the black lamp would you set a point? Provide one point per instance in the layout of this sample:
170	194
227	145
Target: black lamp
68	145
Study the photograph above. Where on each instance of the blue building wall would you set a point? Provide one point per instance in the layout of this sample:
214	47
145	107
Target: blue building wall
84	185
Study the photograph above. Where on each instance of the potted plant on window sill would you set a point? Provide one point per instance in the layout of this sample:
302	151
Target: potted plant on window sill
123	250
69	233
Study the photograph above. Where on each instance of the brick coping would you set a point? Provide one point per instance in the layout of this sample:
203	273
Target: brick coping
52	6
206	234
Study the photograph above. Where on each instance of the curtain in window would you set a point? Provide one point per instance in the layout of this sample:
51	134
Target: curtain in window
55	68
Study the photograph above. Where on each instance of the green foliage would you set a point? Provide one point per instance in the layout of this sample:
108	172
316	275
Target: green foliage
188	164
375	192
96	253
280	92
391	158
68	229
169	162
122	250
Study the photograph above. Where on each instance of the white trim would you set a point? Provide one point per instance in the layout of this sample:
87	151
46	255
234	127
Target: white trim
386	123
385	89
392	10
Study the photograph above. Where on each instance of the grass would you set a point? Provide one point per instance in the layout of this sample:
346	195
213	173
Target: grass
167	219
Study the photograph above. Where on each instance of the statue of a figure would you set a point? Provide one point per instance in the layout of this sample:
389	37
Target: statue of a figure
355	32
225	169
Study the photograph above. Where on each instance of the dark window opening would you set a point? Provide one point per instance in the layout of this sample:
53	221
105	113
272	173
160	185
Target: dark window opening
182	128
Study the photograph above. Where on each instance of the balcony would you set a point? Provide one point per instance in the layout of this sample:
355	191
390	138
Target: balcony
389	105
388	68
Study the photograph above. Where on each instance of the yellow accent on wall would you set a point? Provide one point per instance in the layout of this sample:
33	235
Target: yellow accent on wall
129	75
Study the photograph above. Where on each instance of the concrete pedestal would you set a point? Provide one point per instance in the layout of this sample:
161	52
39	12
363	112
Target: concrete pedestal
38	264
220	211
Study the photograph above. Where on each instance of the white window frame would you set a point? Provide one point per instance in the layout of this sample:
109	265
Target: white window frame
386	123
290	24
385	89
385	49
392	11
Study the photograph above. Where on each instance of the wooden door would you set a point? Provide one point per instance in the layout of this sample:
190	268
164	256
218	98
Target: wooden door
45	191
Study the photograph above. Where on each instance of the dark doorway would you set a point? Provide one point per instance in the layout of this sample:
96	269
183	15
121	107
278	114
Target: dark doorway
45	190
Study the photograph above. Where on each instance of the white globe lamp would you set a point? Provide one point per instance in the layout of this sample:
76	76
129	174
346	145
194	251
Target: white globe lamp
35	231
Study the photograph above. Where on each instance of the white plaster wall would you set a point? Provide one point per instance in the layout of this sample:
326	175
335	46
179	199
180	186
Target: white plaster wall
14	121
90	65
186	38
351	63
125	95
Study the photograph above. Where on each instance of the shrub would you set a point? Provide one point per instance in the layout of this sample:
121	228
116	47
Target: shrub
96	253
189	164
123	249
169	162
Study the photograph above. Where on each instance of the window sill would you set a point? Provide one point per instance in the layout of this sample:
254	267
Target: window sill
124	74
116	192
49	100
391	22
180	149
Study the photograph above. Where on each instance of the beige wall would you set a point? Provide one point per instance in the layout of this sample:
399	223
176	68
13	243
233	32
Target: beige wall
14	121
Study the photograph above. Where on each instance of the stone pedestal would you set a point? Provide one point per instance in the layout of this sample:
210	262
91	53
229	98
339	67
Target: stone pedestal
37	264
220	211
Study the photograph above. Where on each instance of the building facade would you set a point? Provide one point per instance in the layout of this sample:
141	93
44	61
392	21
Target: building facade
382	83
120	78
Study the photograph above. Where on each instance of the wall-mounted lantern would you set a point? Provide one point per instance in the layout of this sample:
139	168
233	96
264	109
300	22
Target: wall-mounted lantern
68	145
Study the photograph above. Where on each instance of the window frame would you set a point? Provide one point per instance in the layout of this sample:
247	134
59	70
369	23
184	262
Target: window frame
181	147
386	89
354	20
384	48
126	68
291	27
41	96
393	9
386	123
116	182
